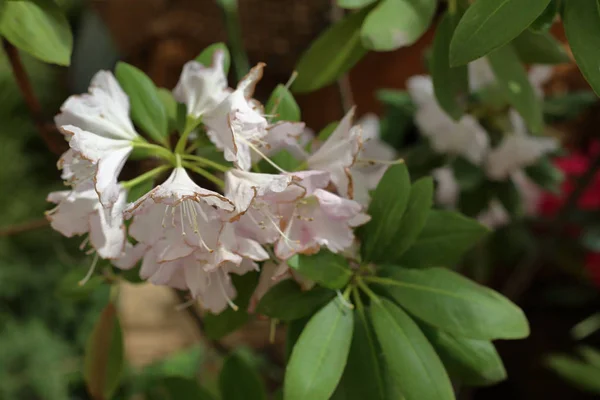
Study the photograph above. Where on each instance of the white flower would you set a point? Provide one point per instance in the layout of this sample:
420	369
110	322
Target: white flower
338	154
178	217
320	218
76	171
79	212
465	138
447	189
495	216
201	87
517	150
283	135
369	169
99	131
237	125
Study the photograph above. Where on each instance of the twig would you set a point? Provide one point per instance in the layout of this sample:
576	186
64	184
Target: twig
531	265
343	83
197	318
24	227
46	130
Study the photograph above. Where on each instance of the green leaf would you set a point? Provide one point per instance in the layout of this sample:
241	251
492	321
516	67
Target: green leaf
139	190
69	287
103	359
240	381
217	326
398	116
286	301
327	131
397	23
326	268
206	57
294	329
590	355
414	370
147	110
580	374
546	18
539	48
490	24
386	210
176	388
320	354
509	196
319	66
582	27
514	82
354	3
568	106
39	28
176	112
414	219
283	105
363	376
443	240
450	84
452	303
473	362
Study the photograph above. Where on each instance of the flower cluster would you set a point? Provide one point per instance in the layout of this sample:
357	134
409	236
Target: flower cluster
190	237
467	138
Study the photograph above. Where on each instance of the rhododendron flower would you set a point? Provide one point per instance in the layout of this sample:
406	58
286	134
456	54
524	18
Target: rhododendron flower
283	135
465	138
79	212
338	154
99	130
447	189
482	76
517	150
494	216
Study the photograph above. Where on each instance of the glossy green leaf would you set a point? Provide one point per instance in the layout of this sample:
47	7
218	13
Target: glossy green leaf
282	105
452	303
581	375
354	3
582	27
386	210
103	359
363	376
413	369
320	354
206	57
490	24
539	48
326	268
176	388
294	329
286	301
176	112
147	109
397	23
219	325
546	18
443	240
39	28
473	362
240	381
514	82
450	84
319	65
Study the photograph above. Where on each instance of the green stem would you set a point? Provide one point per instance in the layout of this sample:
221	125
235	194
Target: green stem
160	151
367	290
190	125
357	300
234	35
206	162
204	173
145	176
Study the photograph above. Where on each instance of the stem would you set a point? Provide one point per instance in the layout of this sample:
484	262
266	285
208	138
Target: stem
368	291
145	176
190	125
357	300
24	227
343	83
206	162
204	173
47	131
160	151
234	35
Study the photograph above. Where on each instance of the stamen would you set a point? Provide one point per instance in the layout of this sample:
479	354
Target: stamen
173	216
84	243
260	153
184	305
90	271
224	292
181	218
371	161
165	216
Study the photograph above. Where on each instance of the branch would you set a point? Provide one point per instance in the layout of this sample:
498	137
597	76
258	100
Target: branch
24	227
47	131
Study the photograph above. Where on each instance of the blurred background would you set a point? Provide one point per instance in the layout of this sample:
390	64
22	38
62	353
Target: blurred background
44	322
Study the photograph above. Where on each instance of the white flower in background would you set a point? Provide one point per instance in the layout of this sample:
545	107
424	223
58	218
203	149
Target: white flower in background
99	130
178	217
495	216
201	88
338	154
447	189
481	76
517	150
79	212
369	169
465	138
